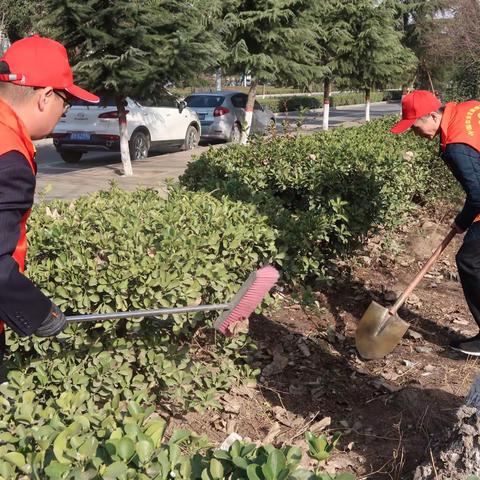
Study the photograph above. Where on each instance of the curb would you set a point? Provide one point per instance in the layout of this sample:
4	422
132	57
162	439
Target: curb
341	107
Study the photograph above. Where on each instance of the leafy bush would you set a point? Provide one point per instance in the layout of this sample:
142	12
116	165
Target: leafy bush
119	251
73	439
123	251
288	104
72	405
323	193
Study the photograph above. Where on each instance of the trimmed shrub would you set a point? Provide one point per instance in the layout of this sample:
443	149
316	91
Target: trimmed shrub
127	251
325	192
121	251
82	405
288	104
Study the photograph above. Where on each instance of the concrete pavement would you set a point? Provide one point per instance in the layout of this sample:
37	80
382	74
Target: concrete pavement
59	180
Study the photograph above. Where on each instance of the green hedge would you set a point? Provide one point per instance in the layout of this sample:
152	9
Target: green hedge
287	104
87	404
325	192
116	251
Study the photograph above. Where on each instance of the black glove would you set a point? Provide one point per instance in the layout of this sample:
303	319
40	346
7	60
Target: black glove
53	324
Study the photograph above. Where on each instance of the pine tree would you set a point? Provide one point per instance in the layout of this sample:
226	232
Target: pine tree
126	48
423	25
271	40
17	18
378	54
334	42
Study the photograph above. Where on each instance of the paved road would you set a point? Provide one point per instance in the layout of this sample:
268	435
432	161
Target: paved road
59	180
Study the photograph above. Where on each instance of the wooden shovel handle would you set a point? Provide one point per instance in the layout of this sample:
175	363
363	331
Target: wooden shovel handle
401	300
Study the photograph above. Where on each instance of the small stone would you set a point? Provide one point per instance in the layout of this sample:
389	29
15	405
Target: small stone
230	440
408	363
413	299
367	260
304	349
415	335
429	368
423	349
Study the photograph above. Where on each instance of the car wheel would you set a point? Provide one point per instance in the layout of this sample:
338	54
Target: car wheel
191	138
139	145
235	134
70	157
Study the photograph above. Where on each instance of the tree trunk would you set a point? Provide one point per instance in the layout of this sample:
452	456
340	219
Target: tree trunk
218	79
326	103
430	80
460	456
367	104
247	125
124	150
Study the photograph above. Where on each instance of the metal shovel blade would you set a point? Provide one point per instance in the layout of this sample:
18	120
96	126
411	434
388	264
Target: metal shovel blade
378	332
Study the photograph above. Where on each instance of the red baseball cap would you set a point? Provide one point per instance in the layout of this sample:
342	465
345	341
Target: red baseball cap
42	62
415	105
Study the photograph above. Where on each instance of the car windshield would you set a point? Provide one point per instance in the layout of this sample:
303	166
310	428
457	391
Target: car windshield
204	101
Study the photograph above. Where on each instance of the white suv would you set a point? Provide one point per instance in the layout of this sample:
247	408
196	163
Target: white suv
157	122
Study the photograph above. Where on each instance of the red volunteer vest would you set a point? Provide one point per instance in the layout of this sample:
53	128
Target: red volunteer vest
461	124
14	137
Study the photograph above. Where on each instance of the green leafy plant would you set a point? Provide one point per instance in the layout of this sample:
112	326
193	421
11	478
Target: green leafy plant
325	193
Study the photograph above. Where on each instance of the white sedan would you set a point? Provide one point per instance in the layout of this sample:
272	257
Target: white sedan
159	122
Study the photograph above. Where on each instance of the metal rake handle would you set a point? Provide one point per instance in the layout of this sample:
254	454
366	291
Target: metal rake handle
147	313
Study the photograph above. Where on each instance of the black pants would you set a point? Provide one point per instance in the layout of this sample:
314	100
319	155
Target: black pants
468	263
3	373
2	345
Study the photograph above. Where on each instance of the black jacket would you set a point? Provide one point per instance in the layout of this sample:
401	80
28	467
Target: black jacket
464	162
23	307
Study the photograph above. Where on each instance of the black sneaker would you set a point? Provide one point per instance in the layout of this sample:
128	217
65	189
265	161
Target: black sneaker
469	346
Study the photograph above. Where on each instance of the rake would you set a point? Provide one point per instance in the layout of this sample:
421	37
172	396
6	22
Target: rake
248	298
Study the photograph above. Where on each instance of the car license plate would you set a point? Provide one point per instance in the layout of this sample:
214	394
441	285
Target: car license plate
80	136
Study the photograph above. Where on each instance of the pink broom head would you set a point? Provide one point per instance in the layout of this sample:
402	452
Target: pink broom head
248	298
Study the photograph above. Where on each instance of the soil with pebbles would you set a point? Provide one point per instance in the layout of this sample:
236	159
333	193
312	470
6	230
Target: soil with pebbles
392	412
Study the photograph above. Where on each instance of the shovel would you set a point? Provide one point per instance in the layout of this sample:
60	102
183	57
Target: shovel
380	329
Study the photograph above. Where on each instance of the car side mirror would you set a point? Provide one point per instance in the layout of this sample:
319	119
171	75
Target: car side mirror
182	105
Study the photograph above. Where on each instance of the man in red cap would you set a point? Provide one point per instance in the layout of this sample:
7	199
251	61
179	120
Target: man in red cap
36	84
458	125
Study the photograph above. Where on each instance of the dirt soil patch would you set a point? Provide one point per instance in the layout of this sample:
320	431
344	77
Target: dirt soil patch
391	411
